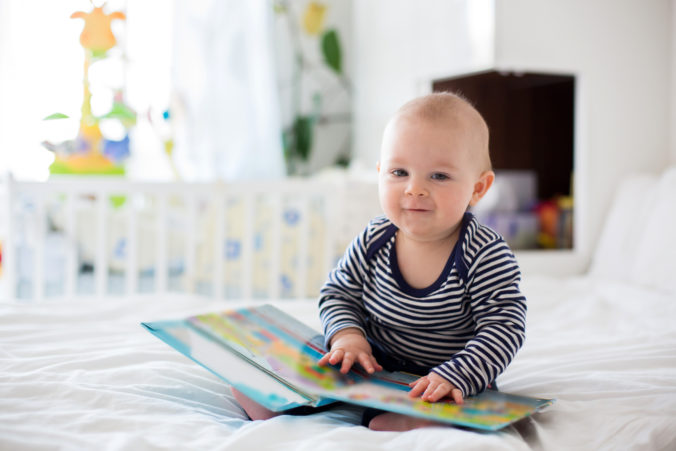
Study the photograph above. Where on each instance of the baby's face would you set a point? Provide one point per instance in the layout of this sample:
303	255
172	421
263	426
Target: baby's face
427	177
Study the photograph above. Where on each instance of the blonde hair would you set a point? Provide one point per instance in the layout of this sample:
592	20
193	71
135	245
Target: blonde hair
452	108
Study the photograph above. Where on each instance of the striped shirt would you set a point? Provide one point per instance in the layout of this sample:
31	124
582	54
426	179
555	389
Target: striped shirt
467	326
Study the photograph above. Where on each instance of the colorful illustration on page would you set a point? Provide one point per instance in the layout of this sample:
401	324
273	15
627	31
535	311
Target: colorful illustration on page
285	351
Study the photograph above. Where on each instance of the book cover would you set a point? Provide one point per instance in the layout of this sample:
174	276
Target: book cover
271	358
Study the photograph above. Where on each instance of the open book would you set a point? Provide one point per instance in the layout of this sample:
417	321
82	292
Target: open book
272	358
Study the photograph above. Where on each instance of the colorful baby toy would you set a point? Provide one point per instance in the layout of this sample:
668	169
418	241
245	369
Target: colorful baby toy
91	152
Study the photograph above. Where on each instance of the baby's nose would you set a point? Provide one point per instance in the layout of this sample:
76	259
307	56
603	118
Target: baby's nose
415	188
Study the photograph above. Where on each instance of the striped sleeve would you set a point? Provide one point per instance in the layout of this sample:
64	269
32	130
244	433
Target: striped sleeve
499	312
340	299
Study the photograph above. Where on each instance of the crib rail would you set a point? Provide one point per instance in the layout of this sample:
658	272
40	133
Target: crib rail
104	237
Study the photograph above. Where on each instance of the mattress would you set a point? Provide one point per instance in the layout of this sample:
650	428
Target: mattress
84	374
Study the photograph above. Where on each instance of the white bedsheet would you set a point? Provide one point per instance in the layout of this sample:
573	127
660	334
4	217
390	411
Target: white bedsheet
85	375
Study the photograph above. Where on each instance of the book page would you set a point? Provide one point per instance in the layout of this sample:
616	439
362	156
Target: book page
254	383
491	410
279	344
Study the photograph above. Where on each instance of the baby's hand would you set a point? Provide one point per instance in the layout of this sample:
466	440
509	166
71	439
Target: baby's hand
350	346
434	387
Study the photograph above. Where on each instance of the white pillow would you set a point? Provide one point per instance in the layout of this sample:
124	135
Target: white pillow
616	251
655	263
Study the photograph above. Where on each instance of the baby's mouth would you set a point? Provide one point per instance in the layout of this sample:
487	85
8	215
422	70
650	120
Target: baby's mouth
417	209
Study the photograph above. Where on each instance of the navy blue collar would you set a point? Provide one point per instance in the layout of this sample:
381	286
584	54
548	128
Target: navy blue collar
456	258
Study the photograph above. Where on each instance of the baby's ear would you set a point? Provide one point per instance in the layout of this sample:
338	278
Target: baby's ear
481	186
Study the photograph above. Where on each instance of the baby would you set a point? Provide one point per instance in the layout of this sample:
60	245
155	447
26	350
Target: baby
425	288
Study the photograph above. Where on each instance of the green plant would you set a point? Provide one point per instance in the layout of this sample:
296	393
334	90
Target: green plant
298	136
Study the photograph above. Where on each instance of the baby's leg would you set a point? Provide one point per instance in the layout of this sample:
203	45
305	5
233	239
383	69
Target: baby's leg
252	408
398	422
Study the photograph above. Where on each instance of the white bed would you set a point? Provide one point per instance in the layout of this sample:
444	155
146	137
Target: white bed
82	373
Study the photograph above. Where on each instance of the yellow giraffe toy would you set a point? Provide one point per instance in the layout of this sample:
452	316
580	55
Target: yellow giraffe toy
86	154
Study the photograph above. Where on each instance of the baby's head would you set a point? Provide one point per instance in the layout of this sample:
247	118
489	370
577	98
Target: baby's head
434	164
451	112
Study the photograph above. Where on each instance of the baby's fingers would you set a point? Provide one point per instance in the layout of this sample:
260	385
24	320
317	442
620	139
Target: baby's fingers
324	360
369	363
435	392
419	387
456	394
348	360
332	357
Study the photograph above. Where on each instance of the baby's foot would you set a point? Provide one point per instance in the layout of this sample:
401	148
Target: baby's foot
252	408
398	422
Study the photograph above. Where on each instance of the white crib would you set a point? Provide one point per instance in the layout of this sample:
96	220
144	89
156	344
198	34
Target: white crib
105	237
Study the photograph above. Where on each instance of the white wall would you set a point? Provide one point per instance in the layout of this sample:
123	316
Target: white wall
620	51
400	46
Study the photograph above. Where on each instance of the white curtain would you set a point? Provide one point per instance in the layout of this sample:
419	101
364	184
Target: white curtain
40	74
225	106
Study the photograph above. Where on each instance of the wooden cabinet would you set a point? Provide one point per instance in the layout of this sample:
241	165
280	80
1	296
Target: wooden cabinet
531	121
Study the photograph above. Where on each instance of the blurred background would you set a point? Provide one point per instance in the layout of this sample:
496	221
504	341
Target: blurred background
577	94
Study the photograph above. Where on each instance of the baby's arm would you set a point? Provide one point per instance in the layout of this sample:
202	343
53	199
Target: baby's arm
349	346
499	311
342	311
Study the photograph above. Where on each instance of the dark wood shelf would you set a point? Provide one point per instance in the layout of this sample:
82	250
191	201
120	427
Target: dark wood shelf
531	120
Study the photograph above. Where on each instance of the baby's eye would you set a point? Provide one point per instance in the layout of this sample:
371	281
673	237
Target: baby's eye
440	176
399	173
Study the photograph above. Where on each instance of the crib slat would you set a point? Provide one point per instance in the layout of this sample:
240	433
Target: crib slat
219	237
101	263
71	246
303	239
8	247
190	242
247	246
275	245
131	263
39	250
162	243
329	204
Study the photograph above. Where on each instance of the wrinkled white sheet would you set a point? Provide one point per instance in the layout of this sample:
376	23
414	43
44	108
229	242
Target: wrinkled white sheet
85	375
